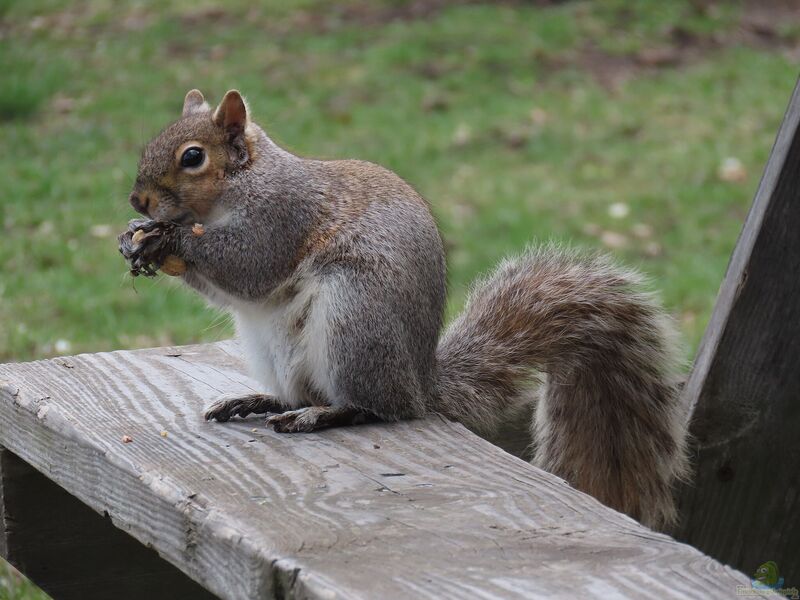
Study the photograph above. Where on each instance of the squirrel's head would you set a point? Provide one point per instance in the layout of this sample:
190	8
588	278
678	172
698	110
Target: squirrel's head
182	171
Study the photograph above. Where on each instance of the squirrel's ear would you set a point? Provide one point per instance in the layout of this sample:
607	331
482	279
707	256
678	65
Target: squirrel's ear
193	103
232	113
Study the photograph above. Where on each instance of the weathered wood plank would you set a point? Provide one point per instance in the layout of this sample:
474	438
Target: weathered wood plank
418	509
4	517
744	504
71	551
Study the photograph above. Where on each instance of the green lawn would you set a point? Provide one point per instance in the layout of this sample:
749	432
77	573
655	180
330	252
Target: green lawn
640	127
14	586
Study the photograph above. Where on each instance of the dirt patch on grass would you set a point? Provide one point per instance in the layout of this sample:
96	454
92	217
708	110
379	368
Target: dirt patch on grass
762	16
764	24
368	13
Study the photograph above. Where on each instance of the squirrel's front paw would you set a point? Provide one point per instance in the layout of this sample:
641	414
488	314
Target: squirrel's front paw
146	247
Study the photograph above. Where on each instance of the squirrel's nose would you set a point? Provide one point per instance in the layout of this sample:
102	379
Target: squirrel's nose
136	203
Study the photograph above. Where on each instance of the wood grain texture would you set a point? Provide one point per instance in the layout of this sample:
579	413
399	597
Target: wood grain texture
744	504
74	553
421	509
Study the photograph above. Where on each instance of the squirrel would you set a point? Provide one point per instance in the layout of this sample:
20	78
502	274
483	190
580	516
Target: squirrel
334	272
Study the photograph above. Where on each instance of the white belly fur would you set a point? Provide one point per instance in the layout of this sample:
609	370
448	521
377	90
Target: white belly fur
281	356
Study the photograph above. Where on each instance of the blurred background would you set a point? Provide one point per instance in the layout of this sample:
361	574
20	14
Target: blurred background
637	127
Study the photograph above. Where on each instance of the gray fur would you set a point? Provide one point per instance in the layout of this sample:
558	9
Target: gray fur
271	208
349	254
609	418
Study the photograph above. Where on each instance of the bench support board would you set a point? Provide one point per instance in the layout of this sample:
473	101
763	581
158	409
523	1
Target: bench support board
71	551
743	505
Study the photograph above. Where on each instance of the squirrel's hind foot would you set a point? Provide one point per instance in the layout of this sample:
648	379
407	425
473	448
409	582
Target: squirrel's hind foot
312	418
230	406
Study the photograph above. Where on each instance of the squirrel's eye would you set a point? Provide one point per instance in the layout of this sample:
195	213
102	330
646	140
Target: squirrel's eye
192	157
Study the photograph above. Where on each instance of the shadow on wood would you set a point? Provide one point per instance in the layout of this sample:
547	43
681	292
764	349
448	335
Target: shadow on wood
743	505
514	435
71	551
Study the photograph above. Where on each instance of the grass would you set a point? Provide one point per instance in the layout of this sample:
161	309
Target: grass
14	586
517	122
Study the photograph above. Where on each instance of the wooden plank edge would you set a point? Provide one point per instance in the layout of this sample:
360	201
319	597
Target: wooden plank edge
189	520
736	272
281	575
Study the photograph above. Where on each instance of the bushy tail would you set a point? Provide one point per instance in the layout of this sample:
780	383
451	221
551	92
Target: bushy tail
608	418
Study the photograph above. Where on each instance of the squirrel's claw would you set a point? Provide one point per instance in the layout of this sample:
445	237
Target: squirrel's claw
313	418
229	406
303	420
145	245
143	224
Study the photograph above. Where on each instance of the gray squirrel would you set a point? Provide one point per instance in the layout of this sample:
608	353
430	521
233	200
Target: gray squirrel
334	271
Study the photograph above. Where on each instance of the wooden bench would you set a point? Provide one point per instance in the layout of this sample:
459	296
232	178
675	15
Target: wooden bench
112	485
422	509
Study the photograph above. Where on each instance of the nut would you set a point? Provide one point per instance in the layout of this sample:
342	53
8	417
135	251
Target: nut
173	266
